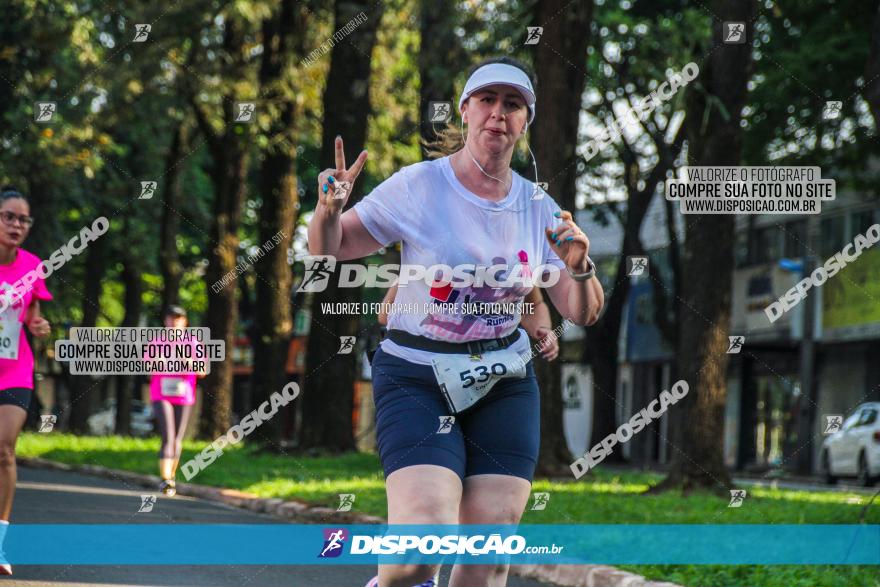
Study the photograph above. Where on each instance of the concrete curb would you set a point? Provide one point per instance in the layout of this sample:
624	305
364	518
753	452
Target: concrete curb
564	575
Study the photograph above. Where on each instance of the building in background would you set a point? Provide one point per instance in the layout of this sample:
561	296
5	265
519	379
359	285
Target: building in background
771	421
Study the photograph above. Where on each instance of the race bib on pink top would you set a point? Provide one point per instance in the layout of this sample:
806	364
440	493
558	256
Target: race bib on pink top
16	357
176	388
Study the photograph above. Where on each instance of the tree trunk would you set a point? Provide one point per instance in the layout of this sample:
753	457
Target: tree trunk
229	161
437	28
560	61
704	320
871	91
222	315
273	325
329	379
602	350
84	392
131	277
169	258
602	339
554	457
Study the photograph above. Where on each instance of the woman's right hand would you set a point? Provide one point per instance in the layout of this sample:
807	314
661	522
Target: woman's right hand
335	185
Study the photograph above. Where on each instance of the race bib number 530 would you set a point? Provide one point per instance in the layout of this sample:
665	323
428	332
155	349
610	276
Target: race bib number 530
465	379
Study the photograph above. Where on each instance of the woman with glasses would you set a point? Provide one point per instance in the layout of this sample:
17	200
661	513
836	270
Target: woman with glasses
21	290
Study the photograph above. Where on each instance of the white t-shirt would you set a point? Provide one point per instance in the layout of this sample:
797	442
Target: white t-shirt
439	221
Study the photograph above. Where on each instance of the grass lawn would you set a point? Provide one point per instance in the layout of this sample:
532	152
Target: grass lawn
601	498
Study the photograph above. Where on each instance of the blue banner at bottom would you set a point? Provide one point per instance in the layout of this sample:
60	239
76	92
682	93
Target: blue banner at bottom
297	544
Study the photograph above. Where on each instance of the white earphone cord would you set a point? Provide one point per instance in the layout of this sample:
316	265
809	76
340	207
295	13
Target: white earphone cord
480	167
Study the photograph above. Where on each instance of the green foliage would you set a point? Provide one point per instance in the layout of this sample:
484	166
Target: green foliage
807	53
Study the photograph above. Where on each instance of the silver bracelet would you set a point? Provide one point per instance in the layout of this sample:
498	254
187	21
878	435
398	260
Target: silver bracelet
591	271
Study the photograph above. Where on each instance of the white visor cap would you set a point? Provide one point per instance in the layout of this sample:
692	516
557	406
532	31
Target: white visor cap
501	73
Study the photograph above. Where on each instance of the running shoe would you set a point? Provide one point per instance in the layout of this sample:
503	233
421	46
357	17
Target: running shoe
168	487
432	582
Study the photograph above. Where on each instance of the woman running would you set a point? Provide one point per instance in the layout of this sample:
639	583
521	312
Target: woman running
470	208
173	396
20	305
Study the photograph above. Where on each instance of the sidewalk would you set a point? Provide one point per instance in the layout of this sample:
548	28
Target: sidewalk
774	479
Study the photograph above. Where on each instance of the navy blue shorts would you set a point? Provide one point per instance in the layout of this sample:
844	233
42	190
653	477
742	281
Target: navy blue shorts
16	396
500	434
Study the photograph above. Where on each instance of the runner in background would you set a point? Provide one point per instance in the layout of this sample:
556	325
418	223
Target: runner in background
173	396
21	306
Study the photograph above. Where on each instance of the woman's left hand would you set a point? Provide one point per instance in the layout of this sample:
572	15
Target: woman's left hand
39	327
548	344
569	242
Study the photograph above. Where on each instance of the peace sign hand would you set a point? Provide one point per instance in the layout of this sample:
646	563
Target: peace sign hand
334	185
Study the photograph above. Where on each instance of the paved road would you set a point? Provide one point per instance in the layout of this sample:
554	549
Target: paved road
54	497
